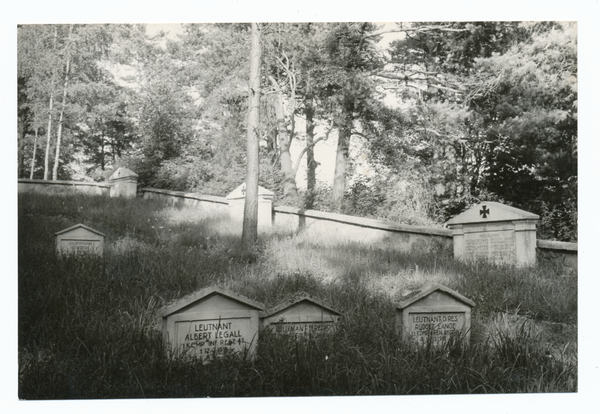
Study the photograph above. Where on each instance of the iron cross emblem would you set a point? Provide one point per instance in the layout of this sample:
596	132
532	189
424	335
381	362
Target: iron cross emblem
484	212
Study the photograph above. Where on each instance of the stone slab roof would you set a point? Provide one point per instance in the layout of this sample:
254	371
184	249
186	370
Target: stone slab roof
490	211
201	294
427	290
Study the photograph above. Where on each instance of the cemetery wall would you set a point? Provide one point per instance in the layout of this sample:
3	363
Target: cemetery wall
208	203
57	187
351	228
408	238
555	250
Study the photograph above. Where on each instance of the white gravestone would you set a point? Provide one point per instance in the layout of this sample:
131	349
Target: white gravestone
495	232
237	200
79	240
433	314
303	316
123	183
210	323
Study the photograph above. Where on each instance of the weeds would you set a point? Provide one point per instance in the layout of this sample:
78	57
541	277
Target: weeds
88	328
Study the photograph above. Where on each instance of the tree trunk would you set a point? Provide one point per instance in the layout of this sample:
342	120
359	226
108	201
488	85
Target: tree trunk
102	163
284	138
250	225
62	110
22	128
311	164
49	135
341	160
34	152
58	136
46	157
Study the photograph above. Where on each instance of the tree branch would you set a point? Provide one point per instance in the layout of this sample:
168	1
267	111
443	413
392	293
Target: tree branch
416	30
405	78
323	138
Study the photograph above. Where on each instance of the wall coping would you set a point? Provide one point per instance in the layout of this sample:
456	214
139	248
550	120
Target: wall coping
557	245
340	218
183	194
61	182
365	222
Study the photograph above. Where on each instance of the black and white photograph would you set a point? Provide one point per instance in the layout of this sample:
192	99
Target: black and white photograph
364	213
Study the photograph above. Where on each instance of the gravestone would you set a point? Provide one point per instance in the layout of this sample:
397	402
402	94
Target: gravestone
495	232
123	183
237	199
303	316
79	240
433	313
210	323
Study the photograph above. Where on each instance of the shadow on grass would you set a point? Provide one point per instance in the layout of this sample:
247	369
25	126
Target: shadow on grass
89	327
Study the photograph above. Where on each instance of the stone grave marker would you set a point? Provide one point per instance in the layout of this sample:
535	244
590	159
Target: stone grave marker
237	199
123	183
79	239
302	316
211	322
495	232
434	312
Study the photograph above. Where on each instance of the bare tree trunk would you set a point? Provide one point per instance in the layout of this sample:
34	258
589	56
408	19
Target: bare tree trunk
311	164
34	152
250	225
341	160
49	134
62	110
284	138
46	157
21	132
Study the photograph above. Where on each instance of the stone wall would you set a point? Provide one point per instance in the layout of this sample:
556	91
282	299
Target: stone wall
58	187
210	204
316	223
364	230
555	250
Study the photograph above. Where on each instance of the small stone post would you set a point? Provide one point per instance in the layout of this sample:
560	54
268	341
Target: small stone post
123	183
237	199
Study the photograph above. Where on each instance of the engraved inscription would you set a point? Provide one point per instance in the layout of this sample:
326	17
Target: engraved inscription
435	327
210	338
302	328
80	246
498	246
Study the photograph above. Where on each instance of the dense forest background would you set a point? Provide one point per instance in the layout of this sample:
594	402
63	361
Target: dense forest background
447	115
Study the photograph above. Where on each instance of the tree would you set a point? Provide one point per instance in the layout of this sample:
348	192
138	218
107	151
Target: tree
37	72
350	89
526	99
494	112
61	60
250	225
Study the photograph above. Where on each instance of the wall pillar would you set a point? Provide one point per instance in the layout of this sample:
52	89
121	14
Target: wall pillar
237	201
123	183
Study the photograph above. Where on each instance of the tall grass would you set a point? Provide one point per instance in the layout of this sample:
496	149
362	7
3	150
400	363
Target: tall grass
88	328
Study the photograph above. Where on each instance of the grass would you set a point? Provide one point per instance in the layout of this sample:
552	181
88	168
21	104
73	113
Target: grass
89	328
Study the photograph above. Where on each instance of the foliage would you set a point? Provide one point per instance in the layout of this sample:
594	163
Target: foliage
63	78
494	116
534	132
156	253
482	111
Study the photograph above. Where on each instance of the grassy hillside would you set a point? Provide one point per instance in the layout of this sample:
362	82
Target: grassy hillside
88	328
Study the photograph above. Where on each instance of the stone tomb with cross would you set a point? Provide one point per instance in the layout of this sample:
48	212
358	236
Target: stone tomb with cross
211	323
79	240
495	232
302	316
433	314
